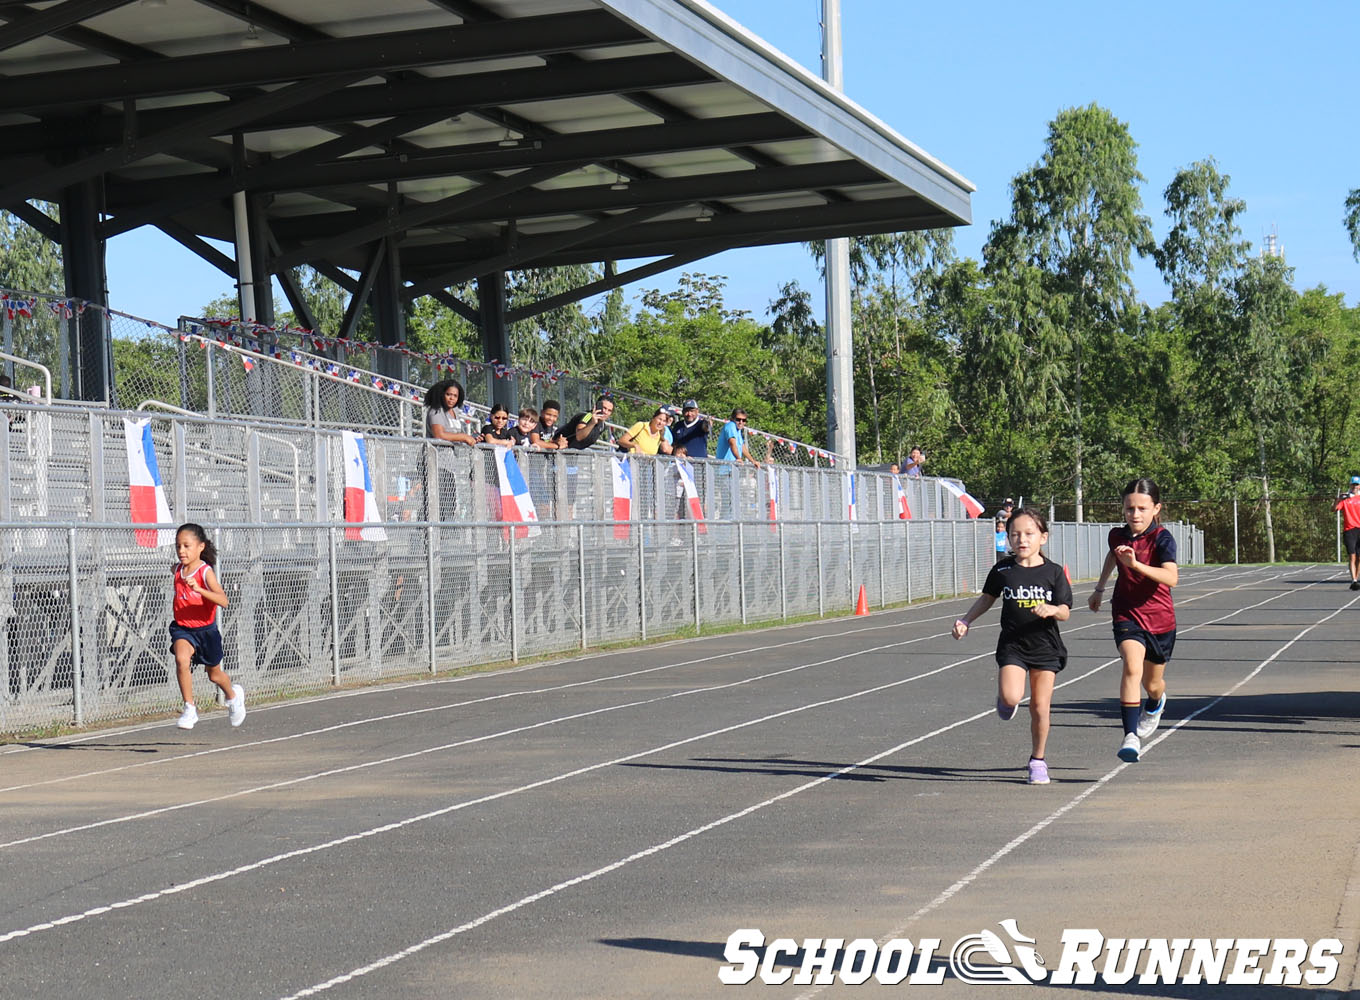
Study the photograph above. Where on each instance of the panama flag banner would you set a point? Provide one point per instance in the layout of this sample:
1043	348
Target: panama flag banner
146	495
903	511
360	504
516	503
696	510
623	495
772	495
970	506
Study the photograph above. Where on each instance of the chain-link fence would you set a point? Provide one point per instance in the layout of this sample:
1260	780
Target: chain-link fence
513	385
1304	528
70	463
85	609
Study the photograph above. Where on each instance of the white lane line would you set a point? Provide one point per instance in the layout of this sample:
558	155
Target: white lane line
162	761
389	827
272	786
1211	576
1063	810
698	831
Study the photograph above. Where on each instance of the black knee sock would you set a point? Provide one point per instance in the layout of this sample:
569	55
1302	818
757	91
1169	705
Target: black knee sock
1130	716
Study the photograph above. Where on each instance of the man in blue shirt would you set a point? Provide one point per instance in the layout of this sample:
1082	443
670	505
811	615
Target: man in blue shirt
732	440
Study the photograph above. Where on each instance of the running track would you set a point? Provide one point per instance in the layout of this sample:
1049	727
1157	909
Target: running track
598	827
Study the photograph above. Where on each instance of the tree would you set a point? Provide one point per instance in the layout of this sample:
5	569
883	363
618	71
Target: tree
1062	262
1353	220
30	262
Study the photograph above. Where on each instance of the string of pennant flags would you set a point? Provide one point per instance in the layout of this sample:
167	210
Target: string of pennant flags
250	335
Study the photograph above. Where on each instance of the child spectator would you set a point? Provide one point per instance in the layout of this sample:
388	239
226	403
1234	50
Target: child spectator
497	430
526	422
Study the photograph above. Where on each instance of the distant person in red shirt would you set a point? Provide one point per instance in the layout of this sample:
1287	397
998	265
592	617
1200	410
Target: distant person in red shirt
1349	506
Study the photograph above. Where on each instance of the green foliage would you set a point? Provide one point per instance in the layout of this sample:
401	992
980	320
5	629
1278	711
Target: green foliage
1352	220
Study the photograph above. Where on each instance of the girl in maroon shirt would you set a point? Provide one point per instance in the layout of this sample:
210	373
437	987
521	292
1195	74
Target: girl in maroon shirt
1144	616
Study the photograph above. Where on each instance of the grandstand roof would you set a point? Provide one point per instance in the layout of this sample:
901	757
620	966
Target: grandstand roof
481	134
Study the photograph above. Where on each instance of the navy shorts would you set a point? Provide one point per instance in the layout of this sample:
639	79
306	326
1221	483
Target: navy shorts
1351	536
1010	654
206	640
1159	646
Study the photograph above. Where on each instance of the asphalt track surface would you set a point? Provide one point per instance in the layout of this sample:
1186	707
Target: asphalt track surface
599	826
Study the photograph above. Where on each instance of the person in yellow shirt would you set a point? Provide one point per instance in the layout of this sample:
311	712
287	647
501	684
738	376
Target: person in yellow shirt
647	438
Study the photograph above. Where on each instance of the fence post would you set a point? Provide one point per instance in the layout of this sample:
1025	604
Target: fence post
514	616
73	586
954	556
783	580
741	570
882	577
933	592
642	582
821	601
210	380
850	547
581	576
694	548
431	589
977	544
1236	560
335	608
907	532
181	473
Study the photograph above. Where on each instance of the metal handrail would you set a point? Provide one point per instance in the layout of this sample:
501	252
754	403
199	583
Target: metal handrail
296	477
47	376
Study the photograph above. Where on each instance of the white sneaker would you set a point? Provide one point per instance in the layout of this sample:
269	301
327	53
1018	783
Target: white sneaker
236	707
1147	721
1132	747
188	718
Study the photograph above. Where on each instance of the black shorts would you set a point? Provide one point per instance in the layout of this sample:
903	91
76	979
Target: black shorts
1029	659
1351	536
1159	646
206	640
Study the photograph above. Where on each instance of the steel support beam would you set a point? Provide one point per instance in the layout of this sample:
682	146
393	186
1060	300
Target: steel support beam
359	299
451	95
420	215
496	334
199	246
270	176
223	119
52	20
274	64
609	282
388	313
529	250
82	254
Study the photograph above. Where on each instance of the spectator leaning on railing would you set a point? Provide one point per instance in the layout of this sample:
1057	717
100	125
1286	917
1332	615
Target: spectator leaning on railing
443	421
691	431
647	438
732	440
584	429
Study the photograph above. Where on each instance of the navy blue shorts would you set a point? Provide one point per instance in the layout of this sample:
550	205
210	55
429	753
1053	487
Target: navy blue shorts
1159	646
206	640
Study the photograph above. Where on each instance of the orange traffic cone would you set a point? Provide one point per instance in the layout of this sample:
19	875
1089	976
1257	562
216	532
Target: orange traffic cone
1067	574
862	604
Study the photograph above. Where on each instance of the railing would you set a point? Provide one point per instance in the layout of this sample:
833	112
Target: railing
67	463
86	608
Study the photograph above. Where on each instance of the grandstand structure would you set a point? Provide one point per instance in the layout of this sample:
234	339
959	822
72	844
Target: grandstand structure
407	147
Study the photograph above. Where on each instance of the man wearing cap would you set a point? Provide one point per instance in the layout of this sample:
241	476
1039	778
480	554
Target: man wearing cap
1349	506
691	431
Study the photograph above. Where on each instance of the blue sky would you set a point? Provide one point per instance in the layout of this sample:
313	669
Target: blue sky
1266	90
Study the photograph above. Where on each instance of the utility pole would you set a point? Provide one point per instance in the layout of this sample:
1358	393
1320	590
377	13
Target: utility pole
840	380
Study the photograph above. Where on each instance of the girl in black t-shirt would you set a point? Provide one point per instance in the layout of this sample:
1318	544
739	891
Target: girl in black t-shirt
497	431
1035	595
